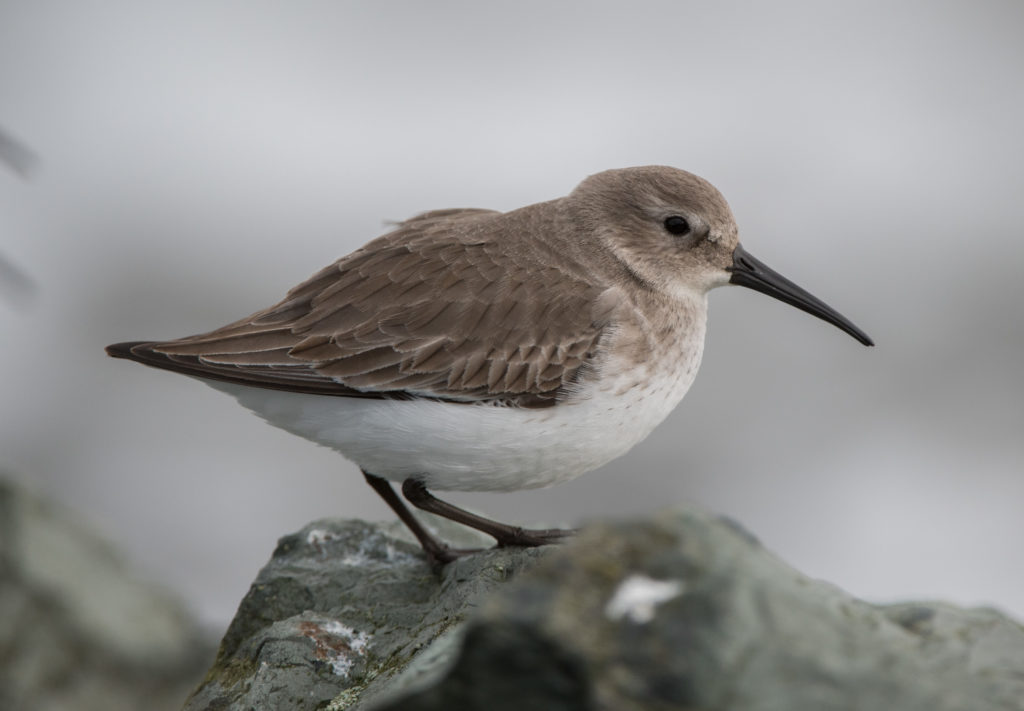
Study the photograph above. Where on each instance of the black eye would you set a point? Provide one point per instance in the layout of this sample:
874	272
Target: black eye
677	225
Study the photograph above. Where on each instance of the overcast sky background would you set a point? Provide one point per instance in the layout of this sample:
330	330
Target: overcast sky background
198	159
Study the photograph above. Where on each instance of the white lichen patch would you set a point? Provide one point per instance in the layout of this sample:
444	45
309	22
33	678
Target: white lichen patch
368	553
317	537
357	641
336	644
638	597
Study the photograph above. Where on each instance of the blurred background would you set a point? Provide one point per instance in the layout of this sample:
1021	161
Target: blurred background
198	159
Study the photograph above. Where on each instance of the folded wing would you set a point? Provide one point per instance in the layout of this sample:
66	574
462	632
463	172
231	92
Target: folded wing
438	308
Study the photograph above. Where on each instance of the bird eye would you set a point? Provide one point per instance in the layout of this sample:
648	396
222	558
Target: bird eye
677	225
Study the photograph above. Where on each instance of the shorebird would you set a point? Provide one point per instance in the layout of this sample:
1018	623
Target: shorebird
477	350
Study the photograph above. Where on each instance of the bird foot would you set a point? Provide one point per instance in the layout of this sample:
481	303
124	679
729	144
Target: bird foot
531	538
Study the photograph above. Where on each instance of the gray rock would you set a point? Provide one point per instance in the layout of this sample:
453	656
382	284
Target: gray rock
78	629
349	612
687	611
682	611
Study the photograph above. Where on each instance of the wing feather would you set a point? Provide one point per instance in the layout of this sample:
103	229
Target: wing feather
442	307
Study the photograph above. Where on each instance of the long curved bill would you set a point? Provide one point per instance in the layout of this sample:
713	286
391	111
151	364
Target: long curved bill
755	274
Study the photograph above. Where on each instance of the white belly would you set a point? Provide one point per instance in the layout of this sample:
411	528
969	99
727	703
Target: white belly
464	447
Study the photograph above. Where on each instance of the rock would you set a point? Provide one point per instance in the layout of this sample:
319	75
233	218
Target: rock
340	611
688	611
682	611
78	630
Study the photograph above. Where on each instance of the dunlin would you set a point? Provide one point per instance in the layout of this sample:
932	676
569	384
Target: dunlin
477	350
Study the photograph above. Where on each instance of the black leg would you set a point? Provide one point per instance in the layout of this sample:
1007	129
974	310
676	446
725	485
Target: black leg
436	550
506	535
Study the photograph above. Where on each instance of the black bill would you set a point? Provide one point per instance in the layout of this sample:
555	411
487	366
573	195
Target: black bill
754	274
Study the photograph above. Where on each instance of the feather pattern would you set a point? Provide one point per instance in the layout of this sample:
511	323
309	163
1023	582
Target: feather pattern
460	305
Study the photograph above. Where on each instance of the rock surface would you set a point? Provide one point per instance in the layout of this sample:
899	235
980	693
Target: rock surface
682	611
78	630
688	612
340	611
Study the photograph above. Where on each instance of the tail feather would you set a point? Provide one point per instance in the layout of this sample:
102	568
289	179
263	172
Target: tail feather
125	350
298	380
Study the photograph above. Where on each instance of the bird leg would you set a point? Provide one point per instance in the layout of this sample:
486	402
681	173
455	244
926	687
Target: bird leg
436	550
416	492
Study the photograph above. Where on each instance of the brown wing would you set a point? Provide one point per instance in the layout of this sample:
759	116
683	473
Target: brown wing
453	305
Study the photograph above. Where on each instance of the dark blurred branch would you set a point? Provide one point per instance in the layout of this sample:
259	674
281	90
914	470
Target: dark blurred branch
16	156
15	285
